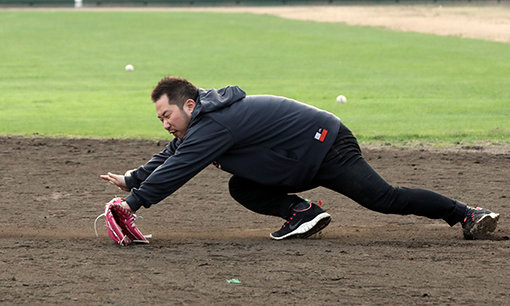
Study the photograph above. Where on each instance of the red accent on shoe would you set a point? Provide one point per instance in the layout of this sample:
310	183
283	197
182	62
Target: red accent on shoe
320	203
302	210
288	221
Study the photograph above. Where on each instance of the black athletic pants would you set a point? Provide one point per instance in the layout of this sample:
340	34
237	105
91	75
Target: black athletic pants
344	170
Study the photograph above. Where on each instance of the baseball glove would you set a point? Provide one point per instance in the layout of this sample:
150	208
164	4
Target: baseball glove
120	224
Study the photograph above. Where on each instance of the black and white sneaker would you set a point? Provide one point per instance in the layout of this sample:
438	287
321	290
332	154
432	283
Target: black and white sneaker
307	219
478	223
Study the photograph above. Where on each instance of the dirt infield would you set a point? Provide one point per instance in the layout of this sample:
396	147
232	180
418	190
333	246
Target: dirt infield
51	194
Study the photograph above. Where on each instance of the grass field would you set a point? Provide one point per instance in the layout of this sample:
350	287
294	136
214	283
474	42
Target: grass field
62	73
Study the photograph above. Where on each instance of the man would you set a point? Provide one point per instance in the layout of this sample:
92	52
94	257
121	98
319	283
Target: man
275	147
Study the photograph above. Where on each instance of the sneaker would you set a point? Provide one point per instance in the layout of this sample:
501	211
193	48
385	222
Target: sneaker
478	223
307	219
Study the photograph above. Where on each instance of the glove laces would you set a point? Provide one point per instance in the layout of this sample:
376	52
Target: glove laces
134	220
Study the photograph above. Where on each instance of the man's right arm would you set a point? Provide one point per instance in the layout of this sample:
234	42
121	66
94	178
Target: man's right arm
136	177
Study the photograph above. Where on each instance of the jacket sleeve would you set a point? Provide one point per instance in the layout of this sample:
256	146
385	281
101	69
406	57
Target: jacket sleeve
137	176
199	148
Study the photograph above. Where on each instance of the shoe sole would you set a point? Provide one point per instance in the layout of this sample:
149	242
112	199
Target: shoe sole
482	228
307	229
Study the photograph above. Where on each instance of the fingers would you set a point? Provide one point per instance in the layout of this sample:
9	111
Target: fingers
118	179
110	178
115	179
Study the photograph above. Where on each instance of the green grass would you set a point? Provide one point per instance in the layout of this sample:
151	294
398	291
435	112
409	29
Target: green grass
62	73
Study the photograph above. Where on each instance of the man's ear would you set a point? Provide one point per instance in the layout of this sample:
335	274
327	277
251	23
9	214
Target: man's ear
189	106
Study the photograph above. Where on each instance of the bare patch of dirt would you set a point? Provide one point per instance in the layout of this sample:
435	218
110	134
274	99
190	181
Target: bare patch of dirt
51	194
488	22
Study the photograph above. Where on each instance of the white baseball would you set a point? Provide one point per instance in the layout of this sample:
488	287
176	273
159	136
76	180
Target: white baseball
341	99
130	67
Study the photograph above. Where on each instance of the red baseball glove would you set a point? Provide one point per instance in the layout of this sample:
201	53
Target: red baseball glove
120	224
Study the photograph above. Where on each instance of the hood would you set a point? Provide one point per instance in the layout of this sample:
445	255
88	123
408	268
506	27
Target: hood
210	100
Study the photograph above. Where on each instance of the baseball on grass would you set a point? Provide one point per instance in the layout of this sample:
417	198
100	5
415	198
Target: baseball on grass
130	67
341	99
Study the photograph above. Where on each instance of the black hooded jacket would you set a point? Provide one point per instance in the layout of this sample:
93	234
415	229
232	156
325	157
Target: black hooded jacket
267	139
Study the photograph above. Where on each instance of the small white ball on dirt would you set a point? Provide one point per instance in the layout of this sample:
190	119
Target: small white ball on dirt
341	99
130	67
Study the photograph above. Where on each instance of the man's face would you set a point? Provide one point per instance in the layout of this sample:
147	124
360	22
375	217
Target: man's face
174	119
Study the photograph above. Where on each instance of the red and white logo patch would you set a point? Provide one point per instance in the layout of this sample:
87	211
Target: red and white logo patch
320	135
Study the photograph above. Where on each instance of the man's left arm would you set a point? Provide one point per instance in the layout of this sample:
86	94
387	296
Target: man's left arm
133	178
199	148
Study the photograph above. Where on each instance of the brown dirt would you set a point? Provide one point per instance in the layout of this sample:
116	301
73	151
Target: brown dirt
51	194
480	21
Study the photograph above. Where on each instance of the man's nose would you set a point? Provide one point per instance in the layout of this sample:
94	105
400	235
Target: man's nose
166	125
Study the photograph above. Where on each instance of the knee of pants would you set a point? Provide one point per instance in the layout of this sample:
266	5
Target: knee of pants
246	193
235	187
261	199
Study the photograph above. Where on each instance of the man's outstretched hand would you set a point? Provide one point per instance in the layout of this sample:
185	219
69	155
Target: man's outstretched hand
117	180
